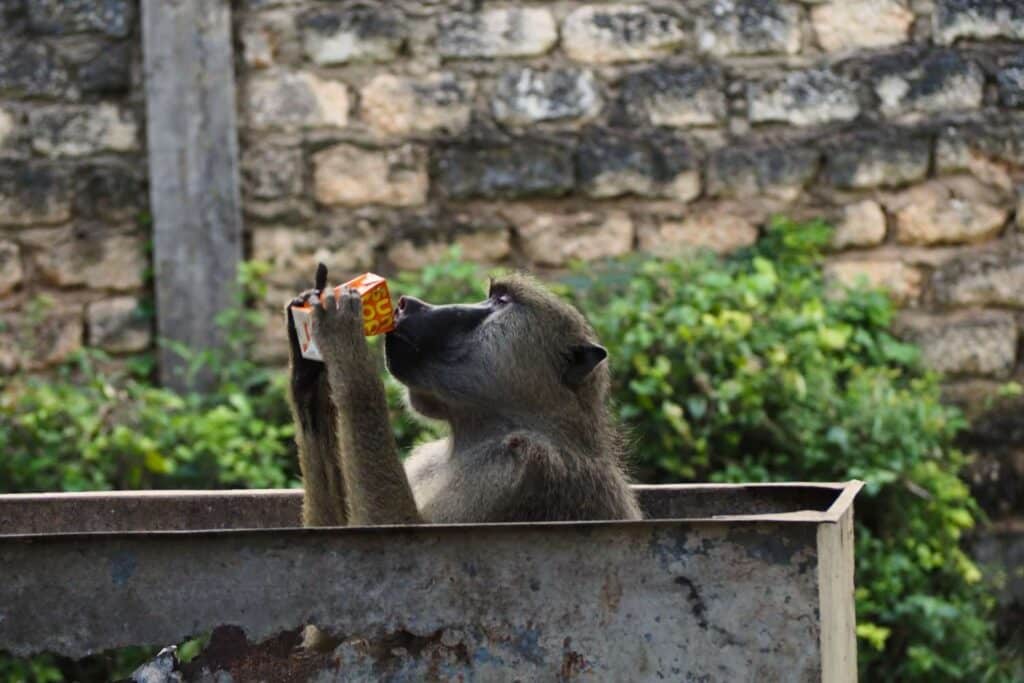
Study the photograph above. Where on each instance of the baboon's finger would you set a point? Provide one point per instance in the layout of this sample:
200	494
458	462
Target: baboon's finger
293	335
321	277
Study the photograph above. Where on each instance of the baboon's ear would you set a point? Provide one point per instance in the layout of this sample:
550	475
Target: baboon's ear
583	358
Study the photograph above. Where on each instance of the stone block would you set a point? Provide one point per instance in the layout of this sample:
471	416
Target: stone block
843	25
108	191
612	163
935	213
679	96
525	96
107	72
803	98
970	343
73	131
862	225
371	32
990	278
269	38
344	243
349	175
497	32
927	83
762	170
288	99
999	552
47	341
996	435
63	17
748	27
31	69
271	172
118	325
257	42
404	106
90	254
529	168
902	281
11	271
486	246
1010	81
953	19
877	158
55	337
677	168
996	478
961	146
33	193
604	34
556	239
715	229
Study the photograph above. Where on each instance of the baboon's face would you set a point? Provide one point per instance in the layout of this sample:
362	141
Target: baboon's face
516	350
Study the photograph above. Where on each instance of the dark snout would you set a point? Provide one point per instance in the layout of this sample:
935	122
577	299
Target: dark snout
427	332
426	325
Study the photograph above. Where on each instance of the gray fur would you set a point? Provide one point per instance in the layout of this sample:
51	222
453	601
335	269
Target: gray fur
526	444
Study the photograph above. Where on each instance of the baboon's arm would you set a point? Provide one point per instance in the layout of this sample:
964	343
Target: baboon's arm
315	418
378	491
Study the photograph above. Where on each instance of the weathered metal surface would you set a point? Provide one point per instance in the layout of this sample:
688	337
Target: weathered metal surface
41	513
193	163
737	599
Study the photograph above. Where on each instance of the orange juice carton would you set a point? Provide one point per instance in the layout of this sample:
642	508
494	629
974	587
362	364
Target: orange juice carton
378	314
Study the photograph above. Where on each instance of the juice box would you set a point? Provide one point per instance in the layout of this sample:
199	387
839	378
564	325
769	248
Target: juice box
378	314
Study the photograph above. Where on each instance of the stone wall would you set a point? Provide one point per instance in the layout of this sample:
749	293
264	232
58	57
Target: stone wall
534	133
72	181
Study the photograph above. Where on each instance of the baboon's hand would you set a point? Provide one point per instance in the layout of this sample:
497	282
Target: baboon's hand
305	372
338	329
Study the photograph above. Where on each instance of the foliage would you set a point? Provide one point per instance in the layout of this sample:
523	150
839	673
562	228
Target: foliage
93	430
737	369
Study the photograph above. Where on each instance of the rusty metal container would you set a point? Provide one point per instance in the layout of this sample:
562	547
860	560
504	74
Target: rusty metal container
719	583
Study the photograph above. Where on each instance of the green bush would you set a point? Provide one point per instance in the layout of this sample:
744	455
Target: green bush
90	430
726	370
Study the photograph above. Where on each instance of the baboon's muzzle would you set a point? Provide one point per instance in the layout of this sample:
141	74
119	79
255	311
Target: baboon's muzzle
424	332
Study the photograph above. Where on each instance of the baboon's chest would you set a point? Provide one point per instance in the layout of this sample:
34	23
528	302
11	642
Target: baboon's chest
466	488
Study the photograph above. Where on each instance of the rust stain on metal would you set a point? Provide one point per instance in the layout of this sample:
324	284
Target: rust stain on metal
611	596
573	663
278	658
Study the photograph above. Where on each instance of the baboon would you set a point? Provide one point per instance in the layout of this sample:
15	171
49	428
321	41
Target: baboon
519	378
